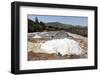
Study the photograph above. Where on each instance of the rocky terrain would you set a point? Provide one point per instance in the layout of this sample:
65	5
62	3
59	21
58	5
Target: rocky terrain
37	38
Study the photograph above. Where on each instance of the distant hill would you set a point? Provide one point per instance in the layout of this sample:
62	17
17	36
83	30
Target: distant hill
39	26
59	25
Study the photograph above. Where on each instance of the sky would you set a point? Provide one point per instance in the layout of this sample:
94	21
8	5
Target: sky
74	20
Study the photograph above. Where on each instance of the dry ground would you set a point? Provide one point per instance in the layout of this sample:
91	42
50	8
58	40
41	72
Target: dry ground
34	53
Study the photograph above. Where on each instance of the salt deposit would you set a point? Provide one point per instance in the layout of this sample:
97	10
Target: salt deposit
37	36
62	46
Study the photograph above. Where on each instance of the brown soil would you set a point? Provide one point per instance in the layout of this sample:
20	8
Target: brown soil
45	56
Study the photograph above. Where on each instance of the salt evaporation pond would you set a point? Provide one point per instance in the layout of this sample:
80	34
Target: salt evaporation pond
62	46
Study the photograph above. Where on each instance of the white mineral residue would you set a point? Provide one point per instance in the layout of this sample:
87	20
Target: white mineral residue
37	36
62	46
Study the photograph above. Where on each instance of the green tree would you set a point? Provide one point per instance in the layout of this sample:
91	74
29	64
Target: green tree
42	25
36	20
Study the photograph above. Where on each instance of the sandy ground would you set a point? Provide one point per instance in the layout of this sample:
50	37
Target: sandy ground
34	51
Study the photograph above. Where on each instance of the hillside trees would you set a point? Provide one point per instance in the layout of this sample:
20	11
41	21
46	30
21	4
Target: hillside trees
35	26
40	26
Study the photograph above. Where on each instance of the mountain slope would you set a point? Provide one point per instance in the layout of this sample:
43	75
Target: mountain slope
59	25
